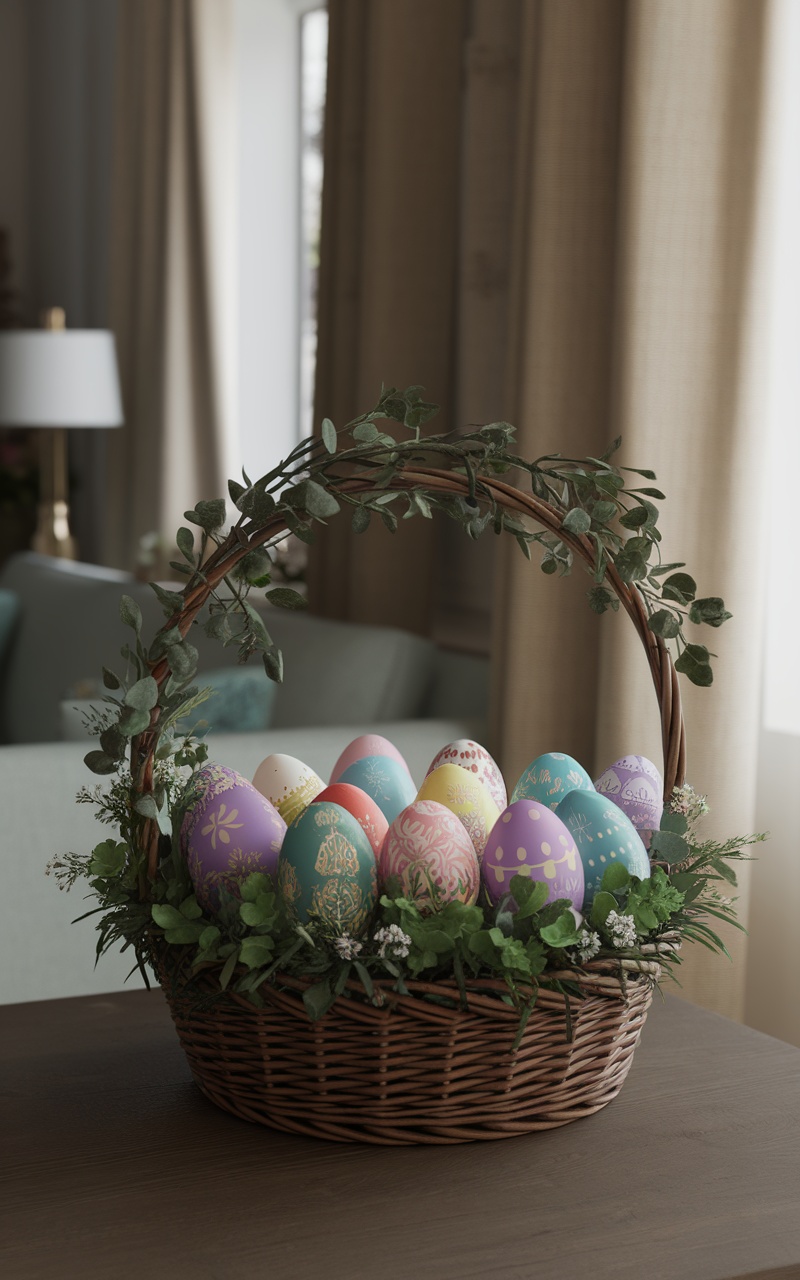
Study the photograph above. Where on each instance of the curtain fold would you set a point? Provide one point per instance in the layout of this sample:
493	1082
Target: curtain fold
601	165
387	267
172	266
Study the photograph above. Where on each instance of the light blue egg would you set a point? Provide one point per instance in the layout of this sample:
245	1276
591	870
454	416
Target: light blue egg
604	835
550	778
388	783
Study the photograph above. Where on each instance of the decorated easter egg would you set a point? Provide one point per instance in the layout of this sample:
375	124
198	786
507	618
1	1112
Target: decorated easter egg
550	778
368	744
384	780
327	870
477	761
636	786
288	784
429	851
604	835
363	808
528	839
228	829
467	797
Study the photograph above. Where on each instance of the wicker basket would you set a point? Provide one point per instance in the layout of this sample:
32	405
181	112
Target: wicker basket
419	1068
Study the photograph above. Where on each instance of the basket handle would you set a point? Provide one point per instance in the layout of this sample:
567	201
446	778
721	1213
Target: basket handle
237	544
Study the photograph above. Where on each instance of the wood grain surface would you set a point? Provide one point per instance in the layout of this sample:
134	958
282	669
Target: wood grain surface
113	1165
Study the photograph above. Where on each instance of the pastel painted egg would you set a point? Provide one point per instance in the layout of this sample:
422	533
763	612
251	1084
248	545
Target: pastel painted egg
327	870
427	848
477	761
363	808
528	839
288	784
368	744
636	786
228	829
604	835
465	796
384	780
550	778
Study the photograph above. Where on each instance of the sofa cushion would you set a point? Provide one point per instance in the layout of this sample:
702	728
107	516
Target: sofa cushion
69	628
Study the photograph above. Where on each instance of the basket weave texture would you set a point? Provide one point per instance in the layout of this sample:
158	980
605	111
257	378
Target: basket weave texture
416	1070
420	1068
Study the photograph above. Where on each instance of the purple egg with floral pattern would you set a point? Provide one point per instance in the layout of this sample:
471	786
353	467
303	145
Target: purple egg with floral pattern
528	839
636	787
228	830
550	778
385	781
604	835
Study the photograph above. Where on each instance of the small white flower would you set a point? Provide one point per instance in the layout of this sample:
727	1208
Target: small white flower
589	945
686	800
347	947
622	929
392	942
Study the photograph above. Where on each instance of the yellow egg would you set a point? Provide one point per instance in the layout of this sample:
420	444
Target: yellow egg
465	796
288	784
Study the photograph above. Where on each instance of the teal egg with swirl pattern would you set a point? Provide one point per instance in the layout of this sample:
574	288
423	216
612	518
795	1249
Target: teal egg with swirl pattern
550	778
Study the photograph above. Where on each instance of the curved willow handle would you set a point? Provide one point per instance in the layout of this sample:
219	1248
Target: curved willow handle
237	545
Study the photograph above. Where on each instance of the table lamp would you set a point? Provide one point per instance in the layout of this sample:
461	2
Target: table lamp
55	378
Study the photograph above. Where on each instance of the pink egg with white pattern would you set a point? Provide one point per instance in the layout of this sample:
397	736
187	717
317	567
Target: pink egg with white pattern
476	760
368	744
429	852
528	839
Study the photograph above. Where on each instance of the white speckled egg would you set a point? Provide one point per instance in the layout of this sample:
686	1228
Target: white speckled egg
429	851
550	778
288	784
477	761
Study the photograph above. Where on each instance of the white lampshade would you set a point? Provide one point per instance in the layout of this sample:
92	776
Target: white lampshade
59	378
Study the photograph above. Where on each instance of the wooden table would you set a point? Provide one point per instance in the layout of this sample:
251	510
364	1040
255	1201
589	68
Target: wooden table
114	1165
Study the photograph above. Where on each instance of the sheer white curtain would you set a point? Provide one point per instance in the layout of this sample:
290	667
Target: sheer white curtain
773	970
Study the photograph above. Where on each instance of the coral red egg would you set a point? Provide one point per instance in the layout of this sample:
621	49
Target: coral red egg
363	808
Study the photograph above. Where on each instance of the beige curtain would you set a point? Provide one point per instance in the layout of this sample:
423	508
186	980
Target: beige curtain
387	267
173	265
608	167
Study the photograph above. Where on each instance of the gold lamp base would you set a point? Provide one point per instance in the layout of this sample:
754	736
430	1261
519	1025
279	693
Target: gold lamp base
52	536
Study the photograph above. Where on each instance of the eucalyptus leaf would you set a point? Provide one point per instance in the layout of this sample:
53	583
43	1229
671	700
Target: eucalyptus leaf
287	598
130	613
99	762
110	680
361	519
184	540
664	623
143	695
577	521
694	663
329	437
710	610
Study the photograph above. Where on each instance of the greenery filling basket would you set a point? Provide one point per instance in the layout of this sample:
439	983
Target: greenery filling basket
488	1021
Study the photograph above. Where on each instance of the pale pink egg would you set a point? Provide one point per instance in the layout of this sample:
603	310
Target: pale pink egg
368	744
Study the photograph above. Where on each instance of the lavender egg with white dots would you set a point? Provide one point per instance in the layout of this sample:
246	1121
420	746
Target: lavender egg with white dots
603	836
528	839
